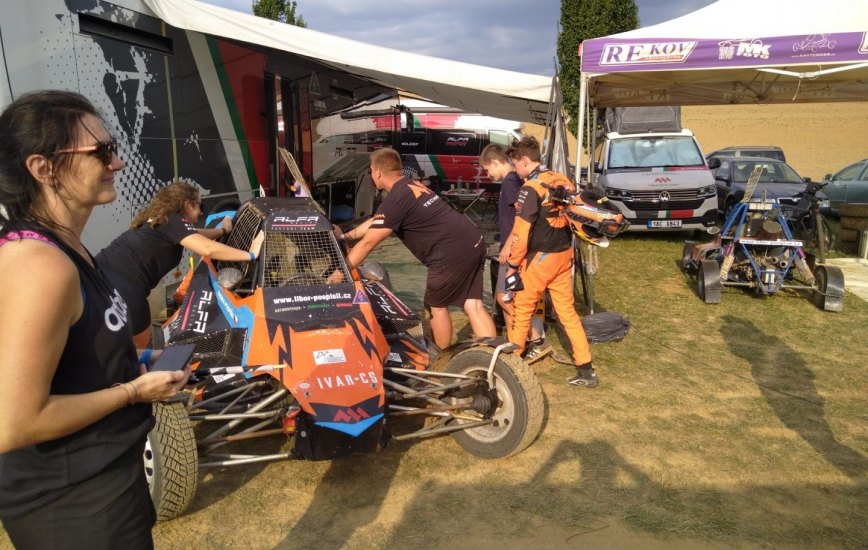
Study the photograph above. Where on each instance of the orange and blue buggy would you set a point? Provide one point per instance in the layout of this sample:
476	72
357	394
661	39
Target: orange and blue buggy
281	353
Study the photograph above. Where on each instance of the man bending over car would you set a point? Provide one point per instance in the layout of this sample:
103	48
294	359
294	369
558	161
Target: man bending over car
445	241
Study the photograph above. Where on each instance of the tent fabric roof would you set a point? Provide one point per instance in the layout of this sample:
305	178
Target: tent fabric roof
736	51
474	88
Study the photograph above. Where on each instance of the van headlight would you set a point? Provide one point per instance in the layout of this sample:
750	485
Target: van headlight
621	194
707	191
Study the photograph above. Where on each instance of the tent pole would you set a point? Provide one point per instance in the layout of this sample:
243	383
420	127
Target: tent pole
583	90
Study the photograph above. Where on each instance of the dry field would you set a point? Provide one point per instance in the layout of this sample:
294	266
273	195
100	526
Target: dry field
817	138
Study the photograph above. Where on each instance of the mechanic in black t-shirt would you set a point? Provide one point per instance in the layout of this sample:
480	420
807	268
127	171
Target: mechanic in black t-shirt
141	256
446	242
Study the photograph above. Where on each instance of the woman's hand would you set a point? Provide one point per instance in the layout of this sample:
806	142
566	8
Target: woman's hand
158	385
226	225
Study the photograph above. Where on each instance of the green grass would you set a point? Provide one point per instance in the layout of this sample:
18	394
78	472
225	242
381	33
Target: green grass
742	424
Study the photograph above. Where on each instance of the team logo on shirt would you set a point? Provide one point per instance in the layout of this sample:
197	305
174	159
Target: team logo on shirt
418	189
116	314
522	196
379	219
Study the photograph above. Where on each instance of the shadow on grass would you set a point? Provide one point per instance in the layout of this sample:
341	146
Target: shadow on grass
582	486
787	384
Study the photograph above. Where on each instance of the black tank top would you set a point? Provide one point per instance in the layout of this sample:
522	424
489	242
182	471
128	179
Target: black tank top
99	352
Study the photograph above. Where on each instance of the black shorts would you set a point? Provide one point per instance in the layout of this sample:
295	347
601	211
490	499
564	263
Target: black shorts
80	520
458	283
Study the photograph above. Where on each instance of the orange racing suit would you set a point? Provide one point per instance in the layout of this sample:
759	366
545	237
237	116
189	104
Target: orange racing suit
542	252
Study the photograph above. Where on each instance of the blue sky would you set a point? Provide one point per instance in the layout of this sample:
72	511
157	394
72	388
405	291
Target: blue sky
506	34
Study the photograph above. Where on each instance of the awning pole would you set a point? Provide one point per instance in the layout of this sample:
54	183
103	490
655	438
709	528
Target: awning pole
583	89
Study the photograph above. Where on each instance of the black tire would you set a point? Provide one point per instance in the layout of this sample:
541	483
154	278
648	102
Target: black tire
171	460
829	288
708	282
520	410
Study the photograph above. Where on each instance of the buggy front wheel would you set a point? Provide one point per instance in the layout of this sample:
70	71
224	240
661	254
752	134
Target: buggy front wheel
518	410
171	460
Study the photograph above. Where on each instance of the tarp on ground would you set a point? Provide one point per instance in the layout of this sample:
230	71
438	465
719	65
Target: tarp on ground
736	52
473	88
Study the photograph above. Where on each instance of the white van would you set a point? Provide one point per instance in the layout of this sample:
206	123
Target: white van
659	180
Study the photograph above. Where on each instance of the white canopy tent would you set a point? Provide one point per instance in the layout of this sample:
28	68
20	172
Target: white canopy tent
733	52
473	88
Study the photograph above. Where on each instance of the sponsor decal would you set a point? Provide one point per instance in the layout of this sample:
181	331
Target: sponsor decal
304	385
863	47
346	380
196	316
754	48
361	298
651	52
457	141
116	313
815	44
350	415
329	356
294	221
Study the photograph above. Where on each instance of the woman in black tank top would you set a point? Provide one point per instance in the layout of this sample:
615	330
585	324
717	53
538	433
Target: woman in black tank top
74	404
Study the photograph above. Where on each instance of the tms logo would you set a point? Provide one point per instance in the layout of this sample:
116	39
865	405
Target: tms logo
660	52
350	415
457	141
662	180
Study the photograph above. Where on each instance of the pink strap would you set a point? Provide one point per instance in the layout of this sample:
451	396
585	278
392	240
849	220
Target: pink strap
25	234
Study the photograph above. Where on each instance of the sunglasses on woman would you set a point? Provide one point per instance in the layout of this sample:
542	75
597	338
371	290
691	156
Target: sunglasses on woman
103	150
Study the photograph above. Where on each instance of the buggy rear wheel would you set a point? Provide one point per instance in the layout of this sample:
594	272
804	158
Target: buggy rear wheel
708	281
171	460
520	406
829	288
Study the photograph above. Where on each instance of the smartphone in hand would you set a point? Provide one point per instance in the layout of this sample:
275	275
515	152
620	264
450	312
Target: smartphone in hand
174	358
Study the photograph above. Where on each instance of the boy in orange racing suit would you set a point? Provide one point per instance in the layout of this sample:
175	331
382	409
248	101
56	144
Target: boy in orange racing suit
542	253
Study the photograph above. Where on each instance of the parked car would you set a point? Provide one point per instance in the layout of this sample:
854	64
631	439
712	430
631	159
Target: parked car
766	151
848	185
778	180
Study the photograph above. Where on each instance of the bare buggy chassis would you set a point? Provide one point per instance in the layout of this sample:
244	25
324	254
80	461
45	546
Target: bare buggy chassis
756	249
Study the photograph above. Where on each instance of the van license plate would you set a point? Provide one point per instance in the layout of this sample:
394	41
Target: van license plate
664	223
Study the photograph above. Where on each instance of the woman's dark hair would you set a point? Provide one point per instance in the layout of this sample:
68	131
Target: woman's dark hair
38	123
168	200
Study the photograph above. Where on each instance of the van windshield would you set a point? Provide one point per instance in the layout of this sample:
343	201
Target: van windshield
647	152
